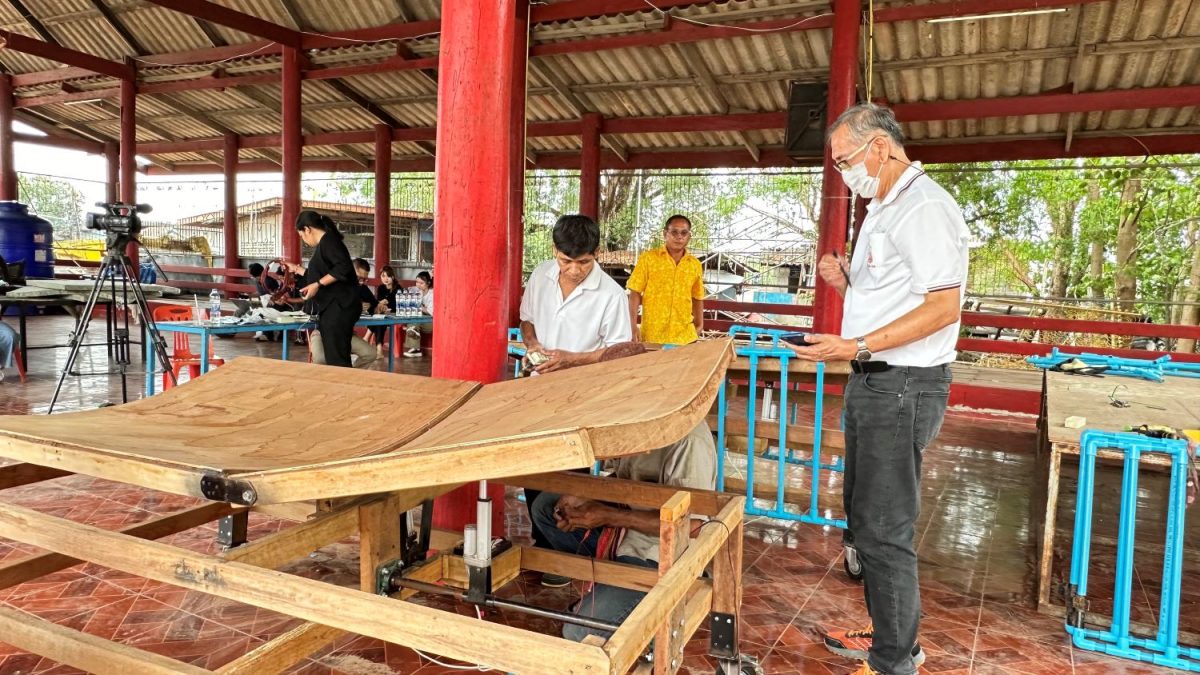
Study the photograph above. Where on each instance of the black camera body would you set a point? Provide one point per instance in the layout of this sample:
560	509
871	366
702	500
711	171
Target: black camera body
118	218
120	222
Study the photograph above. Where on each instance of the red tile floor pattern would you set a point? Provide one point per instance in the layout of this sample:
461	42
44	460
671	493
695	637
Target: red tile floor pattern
975	543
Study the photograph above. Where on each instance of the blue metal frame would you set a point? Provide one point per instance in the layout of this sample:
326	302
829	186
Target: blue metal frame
1164	648
1147	369
765	344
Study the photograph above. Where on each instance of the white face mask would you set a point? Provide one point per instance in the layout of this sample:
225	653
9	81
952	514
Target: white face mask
859	182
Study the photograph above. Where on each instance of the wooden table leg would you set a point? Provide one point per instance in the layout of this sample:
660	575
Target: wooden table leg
1046	562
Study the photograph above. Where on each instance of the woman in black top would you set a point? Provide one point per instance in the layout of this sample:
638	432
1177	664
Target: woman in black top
385	301
331	287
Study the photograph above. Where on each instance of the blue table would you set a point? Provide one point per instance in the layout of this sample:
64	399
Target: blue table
206	330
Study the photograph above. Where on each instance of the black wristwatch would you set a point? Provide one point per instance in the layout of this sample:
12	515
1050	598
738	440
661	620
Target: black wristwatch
863	353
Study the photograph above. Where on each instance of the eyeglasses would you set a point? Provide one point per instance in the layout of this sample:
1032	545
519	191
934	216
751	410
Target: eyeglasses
682	234
843	164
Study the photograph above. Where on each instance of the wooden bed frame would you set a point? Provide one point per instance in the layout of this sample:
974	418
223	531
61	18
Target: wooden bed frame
464	433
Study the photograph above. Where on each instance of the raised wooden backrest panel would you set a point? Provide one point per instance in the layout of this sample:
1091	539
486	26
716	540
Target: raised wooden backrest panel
254	414
626	406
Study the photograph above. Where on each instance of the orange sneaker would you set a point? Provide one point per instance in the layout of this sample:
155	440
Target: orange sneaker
856	644
866	670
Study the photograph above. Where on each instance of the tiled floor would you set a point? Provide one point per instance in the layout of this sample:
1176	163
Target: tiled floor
975	541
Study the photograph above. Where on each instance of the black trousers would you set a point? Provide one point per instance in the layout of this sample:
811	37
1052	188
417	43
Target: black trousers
336	324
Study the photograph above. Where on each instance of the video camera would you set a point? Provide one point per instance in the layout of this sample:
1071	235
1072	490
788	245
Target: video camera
119	219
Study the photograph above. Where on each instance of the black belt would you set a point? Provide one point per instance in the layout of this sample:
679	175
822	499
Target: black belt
862	367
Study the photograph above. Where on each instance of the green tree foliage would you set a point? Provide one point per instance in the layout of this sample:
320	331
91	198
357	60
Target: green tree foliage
55	200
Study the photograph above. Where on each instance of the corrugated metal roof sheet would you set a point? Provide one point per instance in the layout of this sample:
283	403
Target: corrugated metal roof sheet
1092	47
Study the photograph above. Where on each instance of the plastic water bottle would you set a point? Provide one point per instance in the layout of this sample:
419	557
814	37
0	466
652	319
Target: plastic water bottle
214	306
399	302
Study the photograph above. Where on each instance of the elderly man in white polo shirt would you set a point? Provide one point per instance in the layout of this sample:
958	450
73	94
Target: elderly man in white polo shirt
902	298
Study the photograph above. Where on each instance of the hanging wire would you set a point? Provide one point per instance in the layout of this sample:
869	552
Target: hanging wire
747	29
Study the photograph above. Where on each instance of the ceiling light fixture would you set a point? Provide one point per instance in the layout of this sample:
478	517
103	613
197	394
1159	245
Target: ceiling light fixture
975	17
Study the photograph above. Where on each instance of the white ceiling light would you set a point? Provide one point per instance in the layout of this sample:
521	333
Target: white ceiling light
976	17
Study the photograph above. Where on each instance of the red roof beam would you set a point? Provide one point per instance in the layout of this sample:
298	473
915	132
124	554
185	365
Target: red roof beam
679	32
231	18
1052	148
1048	104
586	9
70	57
275	140
393	64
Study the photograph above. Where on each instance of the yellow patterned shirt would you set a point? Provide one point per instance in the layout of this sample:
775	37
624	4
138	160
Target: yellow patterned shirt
667	291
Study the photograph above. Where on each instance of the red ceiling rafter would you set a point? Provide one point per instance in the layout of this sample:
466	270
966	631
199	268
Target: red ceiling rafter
1046	104
70	57
585	9
679	32
231	18
388	66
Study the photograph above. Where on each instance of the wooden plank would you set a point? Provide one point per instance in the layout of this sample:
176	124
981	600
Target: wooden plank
378	538
15	475
505	568
459	637
218	423
727	579
799	436
674	520
34	566
83	651
298	541
639	627
1046	560
284	651
588	569
632	492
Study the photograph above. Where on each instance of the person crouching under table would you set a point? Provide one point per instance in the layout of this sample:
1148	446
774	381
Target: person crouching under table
614	531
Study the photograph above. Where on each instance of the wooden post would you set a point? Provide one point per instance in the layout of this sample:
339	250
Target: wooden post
383	196
8	170
835	198
292	154
516	194
475	89
589	171
230	161
378	538
129	155
112	179
727	592
674	517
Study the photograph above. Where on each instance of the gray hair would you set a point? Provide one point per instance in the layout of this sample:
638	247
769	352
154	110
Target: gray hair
865	119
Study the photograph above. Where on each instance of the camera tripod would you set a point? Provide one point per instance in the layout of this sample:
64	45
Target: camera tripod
116	268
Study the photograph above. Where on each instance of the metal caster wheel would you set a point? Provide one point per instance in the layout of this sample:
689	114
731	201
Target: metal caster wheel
743	665
852	563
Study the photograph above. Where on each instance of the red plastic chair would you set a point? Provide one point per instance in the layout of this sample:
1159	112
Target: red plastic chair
182	356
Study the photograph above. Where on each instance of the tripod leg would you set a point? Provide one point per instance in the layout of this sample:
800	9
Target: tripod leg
80	332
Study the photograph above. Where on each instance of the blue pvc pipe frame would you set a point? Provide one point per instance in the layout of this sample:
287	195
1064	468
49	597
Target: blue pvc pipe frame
1164	648
765	343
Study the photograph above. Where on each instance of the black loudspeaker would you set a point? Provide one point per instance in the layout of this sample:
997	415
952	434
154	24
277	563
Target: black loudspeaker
806	120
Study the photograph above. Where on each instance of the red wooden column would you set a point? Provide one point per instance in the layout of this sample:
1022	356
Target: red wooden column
8	169
516	193
128	151
293	147
470	237
230	166
112	178
589	171
383	196
835	198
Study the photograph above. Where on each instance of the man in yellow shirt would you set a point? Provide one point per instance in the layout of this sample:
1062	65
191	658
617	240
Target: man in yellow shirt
668	284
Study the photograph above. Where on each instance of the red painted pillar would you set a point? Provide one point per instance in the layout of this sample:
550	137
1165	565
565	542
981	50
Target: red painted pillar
292	150
112	179
589	171
129	153
470	240
516	193
230	166
383	196
8	169
835	198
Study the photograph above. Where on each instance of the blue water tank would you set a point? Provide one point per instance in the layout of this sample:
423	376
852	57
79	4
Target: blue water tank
26	237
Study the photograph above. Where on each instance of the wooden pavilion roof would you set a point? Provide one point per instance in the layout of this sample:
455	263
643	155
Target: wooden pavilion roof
676	83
